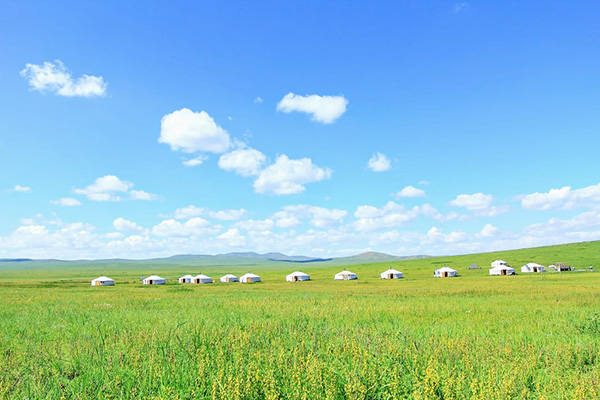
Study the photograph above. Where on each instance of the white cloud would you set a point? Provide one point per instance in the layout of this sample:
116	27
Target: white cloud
255	225
287	222
564	198
233	238
189	212
473	202
435	236
410	191
123	225
479	204
488	230
319	216
244	162
288	176
19	188
391	215
195	161
104	189
173	228
258	100
111	188
66	202
56	78
193	132
460	7
379	163
325	109
223	215
142	195
227	215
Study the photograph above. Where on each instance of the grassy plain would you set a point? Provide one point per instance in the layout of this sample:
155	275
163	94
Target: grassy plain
474	337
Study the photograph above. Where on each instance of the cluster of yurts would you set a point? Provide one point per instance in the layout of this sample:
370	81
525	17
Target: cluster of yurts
499	267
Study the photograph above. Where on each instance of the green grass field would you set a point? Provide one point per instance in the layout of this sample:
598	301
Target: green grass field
472	337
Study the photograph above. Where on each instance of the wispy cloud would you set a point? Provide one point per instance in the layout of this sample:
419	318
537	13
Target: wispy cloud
56	78
460	7
379	163
324	109
19	188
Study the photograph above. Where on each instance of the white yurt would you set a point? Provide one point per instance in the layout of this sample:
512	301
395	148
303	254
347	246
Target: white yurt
499	263
532	267
153	280
186	279
249	278
391	274
345	276
201	278
103	281
229	278
297	276
445	272
502	270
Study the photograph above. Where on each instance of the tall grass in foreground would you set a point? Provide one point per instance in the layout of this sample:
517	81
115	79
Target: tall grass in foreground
473	337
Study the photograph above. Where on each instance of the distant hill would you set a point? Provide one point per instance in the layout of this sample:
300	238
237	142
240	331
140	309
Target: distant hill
374	257
235	258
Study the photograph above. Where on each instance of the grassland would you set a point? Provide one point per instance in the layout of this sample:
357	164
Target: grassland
473	337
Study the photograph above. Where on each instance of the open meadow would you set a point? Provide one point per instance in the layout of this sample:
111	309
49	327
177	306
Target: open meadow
529	336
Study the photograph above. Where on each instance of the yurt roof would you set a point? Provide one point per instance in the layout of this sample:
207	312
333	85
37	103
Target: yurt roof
229	276
103	278
391	271
188	276
154	277
250	275
346	272
298	273
202	276
532	264
447	269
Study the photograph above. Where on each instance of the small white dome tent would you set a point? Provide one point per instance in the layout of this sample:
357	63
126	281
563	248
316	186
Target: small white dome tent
532	267
186	279
499	263
153	280
249	278
229	278
391	274
201	278
502	270
445	272
297	276
103	281
345	276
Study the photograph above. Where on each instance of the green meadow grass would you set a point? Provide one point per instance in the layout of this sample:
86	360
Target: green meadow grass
530	336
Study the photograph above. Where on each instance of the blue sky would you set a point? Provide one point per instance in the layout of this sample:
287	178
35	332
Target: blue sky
317	128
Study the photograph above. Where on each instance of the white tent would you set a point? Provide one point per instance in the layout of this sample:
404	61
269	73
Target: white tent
153	280
297	276
249	278
532	267
391	274
345	276
186	279
229	278
103	281
502	270
445	272
200	278
499	263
